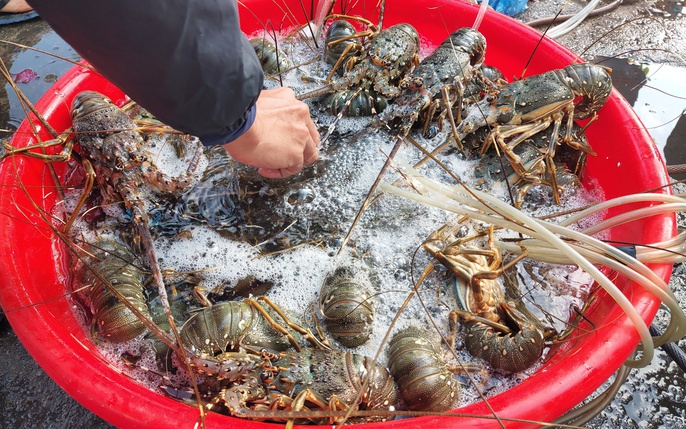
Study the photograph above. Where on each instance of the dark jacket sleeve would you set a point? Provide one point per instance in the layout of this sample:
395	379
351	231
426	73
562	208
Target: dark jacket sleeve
187	62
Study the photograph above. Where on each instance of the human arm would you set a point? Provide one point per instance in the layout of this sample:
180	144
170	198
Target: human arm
188	63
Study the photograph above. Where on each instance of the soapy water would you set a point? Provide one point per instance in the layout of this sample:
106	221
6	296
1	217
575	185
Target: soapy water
385	242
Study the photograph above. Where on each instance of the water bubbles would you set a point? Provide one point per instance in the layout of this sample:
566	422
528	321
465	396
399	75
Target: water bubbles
300	196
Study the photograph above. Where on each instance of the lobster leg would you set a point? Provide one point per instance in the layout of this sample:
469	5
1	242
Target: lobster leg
349	63
310	396
306	332
87	188
65	153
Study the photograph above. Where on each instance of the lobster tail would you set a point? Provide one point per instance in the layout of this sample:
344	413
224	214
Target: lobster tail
508	352
424	380
112	320
591	82
348	309
470	41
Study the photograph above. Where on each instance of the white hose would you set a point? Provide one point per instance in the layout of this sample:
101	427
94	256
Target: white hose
480	14
572	22
547	244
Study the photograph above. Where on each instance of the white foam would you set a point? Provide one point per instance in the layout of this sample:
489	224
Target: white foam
386	239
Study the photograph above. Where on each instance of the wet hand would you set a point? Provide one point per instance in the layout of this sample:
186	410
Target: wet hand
282	140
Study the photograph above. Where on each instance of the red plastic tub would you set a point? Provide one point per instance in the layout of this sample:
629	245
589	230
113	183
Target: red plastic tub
34	263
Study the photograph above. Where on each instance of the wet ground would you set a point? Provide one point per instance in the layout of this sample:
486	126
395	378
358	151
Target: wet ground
643	43
650	78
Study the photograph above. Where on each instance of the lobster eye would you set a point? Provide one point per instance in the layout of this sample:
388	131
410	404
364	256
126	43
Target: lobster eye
267	377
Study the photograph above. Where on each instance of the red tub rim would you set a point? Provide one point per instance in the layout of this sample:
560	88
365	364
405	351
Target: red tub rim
63	350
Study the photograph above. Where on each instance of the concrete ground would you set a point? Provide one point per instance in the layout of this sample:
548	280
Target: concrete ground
651	34
645	31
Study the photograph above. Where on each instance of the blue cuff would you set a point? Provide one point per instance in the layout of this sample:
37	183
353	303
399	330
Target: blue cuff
233	135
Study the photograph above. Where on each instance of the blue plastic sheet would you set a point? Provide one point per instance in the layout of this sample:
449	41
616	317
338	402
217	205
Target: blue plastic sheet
508	7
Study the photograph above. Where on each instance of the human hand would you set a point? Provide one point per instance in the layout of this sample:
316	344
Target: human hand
282	140
16	6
